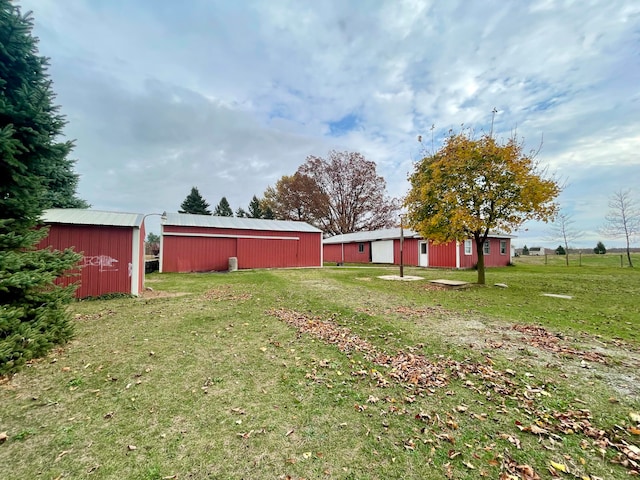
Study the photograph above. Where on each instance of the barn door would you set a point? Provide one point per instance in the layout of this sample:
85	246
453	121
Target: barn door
423	254
382	251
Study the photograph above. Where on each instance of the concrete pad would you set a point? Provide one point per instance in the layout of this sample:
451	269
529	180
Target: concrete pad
555	295
450	283
406	278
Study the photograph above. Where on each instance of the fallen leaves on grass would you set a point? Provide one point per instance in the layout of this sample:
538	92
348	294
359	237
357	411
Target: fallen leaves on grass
512	470
62	454
420	375
404	311
226	293
541	338
94	316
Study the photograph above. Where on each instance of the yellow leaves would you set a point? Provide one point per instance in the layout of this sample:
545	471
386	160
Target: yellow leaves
476	184
560	467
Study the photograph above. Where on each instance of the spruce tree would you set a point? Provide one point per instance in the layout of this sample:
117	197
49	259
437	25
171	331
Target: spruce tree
600	249
241	213
255	209
33	317
195	204
223	209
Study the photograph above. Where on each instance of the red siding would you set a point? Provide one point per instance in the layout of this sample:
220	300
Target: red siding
409	252
185	253
442	255
494	259
348	253
107	264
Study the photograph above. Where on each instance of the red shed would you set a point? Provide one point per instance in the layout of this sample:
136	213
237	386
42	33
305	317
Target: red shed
383	246
111	244
201	243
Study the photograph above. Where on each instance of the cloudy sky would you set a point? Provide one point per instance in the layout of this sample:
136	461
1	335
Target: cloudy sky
230	95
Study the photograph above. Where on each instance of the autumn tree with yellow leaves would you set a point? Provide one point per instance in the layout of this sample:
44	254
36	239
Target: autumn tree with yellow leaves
471	187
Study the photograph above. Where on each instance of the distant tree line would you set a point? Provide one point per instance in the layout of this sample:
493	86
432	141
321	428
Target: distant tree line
195	204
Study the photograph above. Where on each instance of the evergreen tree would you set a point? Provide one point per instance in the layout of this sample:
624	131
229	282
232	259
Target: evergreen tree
240	213
195	204
255	209
600	249
223	209
33	317
268	214
560	250
525	250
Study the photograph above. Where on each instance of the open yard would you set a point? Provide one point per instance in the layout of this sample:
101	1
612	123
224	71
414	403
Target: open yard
335	373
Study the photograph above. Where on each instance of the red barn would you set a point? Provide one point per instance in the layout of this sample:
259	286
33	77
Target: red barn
201	243
383	246
111	244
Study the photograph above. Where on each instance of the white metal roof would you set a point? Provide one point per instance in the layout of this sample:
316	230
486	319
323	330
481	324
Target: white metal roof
189	220
81	216
386	234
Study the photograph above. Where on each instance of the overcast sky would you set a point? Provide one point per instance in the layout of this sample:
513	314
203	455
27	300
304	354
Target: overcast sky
229	95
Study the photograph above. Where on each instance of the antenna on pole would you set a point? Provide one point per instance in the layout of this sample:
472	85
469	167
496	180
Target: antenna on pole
493	116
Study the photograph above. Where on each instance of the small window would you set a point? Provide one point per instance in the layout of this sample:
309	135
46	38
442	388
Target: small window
467	247
487	247
423	248
361	248
503	247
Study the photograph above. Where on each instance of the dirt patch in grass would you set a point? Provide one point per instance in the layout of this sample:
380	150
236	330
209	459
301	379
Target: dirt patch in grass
149	294
614	362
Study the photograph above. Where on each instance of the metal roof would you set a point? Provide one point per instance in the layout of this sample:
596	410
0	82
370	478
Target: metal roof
211	221
372	236
386	234
81	216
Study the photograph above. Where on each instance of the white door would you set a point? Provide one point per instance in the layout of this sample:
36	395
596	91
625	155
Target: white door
423	254
382	251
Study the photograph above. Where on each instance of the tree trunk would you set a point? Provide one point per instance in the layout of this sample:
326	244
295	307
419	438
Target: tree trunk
480	254
629	253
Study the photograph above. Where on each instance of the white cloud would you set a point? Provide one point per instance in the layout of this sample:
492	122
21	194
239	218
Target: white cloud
229	96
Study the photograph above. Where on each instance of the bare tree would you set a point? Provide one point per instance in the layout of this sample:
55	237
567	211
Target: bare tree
562	229
623	219
340	194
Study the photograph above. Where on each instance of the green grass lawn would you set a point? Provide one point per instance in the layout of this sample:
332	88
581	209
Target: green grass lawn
335	373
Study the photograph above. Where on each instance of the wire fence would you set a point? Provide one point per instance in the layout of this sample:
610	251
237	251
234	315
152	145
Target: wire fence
580	260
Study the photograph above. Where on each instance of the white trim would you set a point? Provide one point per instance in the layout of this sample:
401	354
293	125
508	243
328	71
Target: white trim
505	247
423	256
226	235
458	254
135	262
161	252
469	242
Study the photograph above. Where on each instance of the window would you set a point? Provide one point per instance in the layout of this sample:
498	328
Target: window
423	248
467	247
361	248
487	247
503	247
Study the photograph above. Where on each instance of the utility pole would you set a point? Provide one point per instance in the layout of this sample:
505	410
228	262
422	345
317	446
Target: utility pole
401	246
